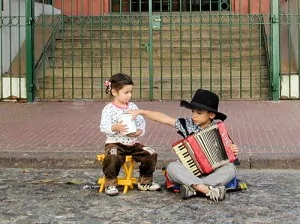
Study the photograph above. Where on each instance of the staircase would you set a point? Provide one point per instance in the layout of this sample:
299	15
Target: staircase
223	53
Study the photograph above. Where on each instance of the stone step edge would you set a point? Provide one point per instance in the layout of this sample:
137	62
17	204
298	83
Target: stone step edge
76	160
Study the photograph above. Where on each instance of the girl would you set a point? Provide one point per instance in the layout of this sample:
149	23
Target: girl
118	145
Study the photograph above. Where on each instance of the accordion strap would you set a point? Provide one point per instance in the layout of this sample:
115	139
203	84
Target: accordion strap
183	124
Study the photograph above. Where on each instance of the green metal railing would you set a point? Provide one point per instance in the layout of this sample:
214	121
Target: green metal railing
169	48
30	54
275	48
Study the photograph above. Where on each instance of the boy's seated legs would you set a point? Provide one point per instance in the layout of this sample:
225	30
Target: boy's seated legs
221	176
211	186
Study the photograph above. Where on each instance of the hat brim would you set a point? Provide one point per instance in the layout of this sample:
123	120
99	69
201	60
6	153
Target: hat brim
198	106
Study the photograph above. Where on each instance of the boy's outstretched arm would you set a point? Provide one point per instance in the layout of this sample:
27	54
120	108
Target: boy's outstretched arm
154	115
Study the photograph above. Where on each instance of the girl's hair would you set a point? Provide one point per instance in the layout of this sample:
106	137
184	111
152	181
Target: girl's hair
117	82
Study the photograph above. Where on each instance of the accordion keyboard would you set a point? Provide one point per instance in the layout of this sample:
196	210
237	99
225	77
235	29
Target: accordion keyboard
186	159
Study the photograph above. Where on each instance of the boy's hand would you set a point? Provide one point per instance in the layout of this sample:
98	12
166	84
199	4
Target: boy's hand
234	149
135	134
134	113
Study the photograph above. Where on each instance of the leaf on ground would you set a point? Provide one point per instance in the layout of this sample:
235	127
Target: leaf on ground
74	181
42	181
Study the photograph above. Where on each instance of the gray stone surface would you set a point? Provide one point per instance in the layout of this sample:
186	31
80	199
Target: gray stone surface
57	196
87	160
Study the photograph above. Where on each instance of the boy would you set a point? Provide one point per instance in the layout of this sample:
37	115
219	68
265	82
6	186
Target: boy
204	106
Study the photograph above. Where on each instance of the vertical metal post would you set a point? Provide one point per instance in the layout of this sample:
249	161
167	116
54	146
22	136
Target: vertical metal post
1	52
298	64
30	50
275	50
150	51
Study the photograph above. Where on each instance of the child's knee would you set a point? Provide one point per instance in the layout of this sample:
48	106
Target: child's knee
111	151
150	150
113	159
231	170
172	167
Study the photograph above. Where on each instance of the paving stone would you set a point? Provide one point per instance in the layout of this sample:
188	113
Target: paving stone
48	196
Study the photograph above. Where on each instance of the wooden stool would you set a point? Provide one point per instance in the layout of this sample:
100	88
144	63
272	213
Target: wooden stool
126	181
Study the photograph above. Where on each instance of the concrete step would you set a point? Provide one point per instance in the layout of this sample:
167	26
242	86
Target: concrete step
143	72
99	94
164	53
172	17
55	94
117	43
143	31
224	94
165	82
164	85
98	62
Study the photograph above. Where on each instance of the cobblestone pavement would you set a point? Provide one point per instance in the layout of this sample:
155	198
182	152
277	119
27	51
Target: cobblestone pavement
56	196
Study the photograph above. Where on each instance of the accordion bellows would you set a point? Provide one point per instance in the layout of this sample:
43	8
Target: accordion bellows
206	150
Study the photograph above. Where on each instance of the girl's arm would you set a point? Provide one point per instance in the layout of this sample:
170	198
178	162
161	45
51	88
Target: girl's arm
106	124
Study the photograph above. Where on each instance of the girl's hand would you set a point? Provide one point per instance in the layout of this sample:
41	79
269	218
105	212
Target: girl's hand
234	149
119	127
135	134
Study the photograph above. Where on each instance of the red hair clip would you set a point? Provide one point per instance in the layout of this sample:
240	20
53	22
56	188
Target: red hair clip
108	84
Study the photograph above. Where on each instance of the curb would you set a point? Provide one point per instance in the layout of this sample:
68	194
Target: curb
82	160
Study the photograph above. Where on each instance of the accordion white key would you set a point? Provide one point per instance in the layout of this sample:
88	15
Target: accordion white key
206	150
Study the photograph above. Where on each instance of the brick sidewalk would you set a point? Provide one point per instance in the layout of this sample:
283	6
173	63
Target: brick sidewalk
265	130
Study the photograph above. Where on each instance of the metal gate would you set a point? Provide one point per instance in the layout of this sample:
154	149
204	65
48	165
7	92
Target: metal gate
195	45
169	47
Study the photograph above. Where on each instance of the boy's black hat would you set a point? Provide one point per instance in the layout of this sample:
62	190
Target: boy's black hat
205	100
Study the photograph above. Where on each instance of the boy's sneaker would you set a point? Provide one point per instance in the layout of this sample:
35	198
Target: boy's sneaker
111	191
148	187
186	192
216	193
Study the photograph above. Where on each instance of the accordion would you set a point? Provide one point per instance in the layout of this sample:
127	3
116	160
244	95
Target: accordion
206	150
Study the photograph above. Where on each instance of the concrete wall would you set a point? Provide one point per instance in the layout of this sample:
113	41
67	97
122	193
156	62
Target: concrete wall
82	7
290	82
252	6
292	8
288	34
12	39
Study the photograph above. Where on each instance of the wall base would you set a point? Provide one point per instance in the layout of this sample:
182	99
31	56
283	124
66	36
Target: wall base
289	86
13	87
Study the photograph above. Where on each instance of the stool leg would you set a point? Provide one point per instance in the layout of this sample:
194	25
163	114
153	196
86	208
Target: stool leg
130	171
125	189
101	182
127	181
127	174
128	167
